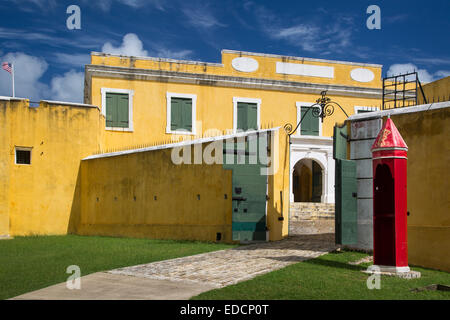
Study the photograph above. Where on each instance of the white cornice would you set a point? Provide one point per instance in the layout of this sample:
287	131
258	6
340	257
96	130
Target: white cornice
301	58
230	81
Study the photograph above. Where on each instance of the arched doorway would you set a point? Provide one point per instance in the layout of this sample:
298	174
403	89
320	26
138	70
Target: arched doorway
307	181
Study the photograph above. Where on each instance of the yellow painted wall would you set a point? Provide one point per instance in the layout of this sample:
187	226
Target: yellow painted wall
118	197
435	91
5	165
41	195
214	108
44	198
427	136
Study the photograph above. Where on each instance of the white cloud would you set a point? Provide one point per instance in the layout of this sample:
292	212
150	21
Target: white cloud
68	87
76	59
201	17
311	36
105	5
424	75
27	70
131	46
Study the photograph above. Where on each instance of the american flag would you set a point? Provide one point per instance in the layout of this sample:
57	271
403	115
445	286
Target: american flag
7	66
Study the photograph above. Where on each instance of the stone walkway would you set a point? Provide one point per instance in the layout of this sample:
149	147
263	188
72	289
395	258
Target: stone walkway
226	267
185	277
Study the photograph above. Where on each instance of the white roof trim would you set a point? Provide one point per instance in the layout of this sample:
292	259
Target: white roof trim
301	58
70	103
159	59
179	144
10	98
385	113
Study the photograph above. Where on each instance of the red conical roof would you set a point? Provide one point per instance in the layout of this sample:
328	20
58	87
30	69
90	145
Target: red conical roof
389	137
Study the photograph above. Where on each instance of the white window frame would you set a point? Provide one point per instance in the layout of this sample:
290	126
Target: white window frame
299	106
193	97
130	93
364	108
236	100
23	149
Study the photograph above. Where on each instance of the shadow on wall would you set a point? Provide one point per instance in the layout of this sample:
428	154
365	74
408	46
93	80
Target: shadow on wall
75	210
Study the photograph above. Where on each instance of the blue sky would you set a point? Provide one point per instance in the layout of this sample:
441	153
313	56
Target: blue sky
50	58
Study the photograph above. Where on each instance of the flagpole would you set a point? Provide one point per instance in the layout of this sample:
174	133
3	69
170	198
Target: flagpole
14	93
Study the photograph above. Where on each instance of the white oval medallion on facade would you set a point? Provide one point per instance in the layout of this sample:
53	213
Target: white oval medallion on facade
245	64
362	75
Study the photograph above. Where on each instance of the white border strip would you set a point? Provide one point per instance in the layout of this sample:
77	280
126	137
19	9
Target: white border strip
404	110
179	144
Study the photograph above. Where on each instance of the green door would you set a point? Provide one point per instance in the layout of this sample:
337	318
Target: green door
346	205
249	191
345	186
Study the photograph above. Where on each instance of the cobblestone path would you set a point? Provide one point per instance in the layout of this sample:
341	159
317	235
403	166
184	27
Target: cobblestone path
226	267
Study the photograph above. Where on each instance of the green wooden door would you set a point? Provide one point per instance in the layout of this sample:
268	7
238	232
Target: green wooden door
346	205
248	194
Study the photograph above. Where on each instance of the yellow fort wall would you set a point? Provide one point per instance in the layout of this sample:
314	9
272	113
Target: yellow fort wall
44	198
435	91
426	134
214	108
144	194
41	195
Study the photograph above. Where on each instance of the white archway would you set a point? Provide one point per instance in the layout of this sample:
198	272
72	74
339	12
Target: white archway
319	149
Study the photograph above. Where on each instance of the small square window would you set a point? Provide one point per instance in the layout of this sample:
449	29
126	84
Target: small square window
23	156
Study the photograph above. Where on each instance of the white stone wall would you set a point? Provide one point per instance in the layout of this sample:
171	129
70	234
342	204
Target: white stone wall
363	134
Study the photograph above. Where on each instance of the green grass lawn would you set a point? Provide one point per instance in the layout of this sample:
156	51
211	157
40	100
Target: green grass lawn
330	277
31	263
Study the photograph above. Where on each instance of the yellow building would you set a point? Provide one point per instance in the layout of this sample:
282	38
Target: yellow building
140	103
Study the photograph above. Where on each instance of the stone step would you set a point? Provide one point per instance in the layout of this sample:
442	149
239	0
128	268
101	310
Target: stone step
303	211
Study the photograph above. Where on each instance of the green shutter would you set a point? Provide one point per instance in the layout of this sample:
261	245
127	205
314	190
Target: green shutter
310	124
340	142
181	114
187	114
117	110
242	116
252	116
175	114
109	109
122	111
247	116
346	203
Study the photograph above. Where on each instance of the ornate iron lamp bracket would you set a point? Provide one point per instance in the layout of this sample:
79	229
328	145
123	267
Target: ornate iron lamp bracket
324	107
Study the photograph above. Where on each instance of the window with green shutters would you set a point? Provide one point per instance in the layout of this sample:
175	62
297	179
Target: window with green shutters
310	124
247	116
181	114
117	110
